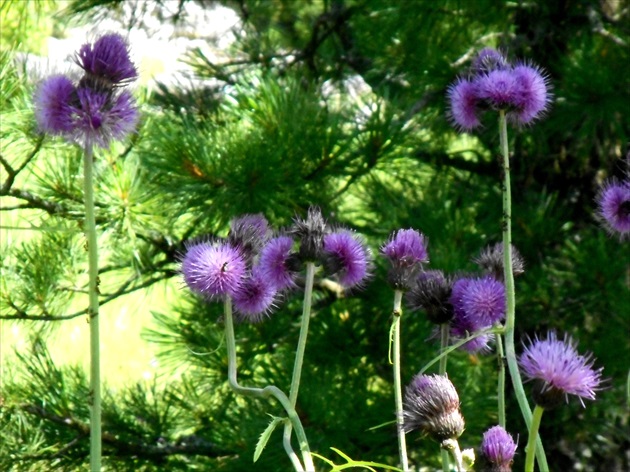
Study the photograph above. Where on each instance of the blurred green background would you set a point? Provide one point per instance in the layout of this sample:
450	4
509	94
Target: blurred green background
270	106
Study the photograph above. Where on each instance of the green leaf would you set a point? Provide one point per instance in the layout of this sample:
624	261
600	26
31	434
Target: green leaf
266	434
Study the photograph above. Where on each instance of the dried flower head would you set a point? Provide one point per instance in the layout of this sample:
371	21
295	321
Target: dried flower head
432	293
406	251
490	260
431	405
276	262
347	255
613	205
488	60
497	450
249	233
311	233
213	270
559	371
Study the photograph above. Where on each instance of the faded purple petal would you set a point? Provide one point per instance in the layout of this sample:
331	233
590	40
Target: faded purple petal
273	262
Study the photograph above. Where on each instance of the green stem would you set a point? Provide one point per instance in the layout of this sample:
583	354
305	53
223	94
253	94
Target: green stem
286	442
266	392
501	381
450	447
530	450
510	350
95	361
402	442
444	336
301	347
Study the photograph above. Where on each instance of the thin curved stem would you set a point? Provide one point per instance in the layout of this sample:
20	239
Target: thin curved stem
286	442
266	392
444	336
395	330
501	381
530	450
95	360
510	351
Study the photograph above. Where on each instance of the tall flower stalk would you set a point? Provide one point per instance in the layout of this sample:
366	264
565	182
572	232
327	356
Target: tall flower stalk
92	112
519	93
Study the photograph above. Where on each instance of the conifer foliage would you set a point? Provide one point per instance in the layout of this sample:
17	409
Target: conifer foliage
346	106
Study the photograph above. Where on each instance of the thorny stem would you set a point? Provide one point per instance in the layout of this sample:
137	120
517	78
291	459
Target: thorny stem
395	331
266	392
95	361
510	351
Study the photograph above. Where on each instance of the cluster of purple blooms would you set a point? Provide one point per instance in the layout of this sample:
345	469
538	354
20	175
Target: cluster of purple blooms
94	110
468	303
255	268
521	90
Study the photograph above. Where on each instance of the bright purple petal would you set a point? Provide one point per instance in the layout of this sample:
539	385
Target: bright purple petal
350	255
463	101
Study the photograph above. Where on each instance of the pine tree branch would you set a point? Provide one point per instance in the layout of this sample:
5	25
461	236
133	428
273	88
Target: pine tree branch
190	445
12	173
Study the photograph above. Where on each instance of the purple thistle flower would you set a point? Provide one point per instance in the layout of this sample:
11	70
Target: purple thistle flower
484	301
95	112
102	117
406	251
213	269
498	88
347	256
255	297
431	404
613	202
107	59
275	262
559	371
476	305
532	95
463	100
53	108
497	450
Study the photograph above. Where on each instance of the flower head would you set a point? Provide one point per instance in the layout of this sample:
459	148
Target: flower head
432	293
478	303
107	59
613	202
53	108
255	297
521	90
497	450
406	251
249	233
431	404
94	111
491	261
276	262
311	233
463	104
213	270
347	256
532	96
559	371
